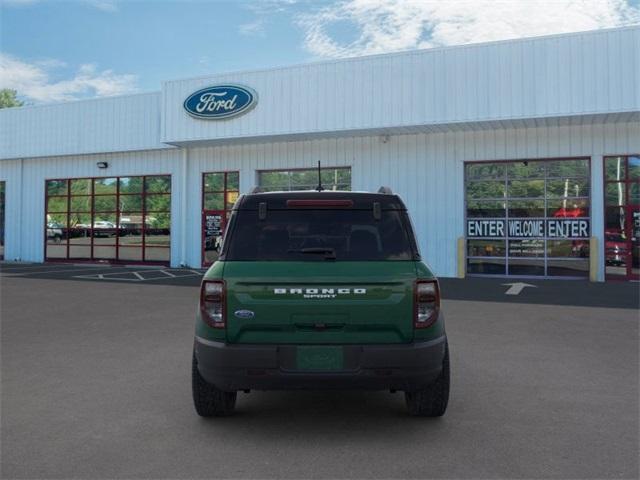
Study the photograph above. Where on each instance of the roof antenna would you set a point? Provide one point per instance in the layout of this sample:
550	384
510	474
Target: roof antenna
319	187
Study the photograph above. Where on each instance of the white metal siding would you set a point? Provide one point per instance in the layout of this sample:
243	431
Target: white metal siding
425	169
558	76
25	206
115	124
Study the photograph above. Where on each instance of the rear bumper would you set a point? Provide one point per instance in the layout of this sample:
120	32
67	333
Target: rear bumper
405	367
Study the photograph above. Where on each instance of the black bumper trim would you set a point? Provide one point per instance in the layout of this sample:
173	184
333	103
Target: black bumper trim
232	367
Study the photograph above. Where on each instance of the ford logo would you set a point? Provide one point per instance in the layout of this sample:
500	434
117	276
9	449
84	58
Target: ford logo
220	102
244	314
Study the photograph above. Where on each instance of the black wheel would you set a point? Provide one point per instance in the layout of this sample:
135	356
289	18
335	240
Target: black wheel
209	400
432	400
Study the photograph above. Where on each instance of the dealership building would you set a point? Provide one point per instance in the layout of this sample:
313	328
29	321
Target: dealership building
517	158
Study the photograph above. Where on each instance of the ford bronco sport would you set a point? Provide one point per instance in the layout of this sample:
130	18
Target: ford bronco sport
318	290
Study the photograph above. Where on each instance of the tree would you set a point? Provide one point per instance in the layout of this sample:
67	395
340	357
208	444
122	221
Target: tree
8	98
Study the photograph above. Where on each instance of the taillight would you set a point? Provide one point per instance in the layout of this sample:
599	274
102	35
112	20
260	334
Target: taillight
212	296
426	302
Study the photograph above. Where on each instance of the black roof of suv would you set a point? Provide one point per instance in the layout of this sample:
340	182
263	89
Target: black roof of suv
281	200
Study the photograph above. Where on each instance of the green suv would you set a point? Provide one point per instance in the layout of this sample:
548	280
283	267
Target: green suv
316	290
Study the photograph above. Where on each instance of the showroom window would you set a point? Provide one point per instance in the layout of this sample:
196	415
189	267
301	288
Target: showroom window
304	179
125	219
220	190
528	218
2	188
622	217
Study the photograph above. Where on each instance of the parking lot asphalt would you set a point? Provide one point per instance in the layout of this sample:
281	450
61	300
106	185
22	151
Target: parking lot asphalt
536	291
96	384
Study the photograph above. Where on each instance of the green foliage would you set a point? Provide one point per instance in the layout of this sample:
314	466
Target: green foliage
8	98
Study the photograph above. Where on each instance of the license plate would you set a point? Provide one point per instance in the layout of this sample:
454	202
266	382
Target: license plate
319	358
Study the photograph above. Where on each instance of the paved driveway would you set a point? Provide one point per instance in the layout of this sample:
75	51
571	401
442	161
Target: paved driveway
96	384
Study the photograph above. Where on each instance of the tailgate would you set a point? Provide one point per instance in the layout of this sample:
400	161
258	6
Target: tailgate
319	302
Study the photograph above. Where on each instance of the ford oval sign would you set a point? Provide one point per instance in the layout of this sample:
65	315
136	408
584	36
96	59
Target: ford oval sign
220	102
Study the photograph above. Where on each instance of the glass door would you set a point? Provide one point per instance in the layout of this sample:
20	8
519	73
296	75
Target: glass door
220	191
622	217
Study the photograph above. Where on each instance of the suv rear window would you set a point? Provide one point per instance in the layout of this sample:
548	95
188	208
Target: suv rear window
313	235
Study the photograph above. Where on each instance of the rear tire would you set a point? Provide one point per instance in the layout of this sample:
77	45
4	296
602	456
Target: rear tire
209	400
432	400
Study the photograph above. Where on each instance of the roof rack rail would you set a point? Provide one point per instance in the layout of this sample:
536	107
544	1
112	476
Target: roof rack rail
256	189
385	190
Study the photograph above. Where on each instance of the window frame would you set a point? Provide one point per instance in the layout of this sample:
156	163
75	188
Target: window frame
303	169
117	212
506	199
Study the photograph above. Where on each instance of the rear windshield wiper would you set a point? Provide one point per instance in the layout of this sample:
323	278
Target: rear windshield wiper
329	253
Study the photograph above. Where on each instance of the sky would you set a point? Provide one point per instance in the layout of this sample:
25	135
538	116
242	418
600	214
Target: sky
55	50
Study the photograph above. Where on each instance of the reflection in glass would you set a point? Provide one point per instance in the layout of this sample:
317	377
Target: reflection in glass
101	221
80	220
102	236
214	182
57	220
568	248
332	179
56	250
130	238
133	254
130	185
536	193
568	208
486	248
130	203
569	187
214	201
80	186
105	203
485	208
56	187
158	203
233	181
57	204
526	169
493	266
615	168
524	267
161	184
157	237
80	252
568	168
615	193
526	248
485	189
634	194
526	208
80	204
526	189
105	186
568	268
485	171
634	168
104	252
157	254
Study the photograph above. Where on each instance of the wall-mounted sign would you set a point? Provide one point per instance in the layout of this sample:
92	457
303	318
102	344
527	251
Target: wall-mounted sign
220	102
528	228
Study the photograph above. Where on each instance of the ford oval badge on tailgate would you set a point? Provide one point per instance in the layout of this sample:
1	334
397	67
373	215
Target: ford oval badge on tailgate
244	314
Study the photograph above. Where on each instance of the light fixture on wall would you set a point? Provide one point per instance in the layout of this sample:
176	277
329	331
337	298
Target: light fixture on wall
102	165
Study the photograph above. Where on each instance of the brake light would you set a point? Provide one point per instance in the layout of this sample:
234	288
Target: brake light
426	303
320	203
212	300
